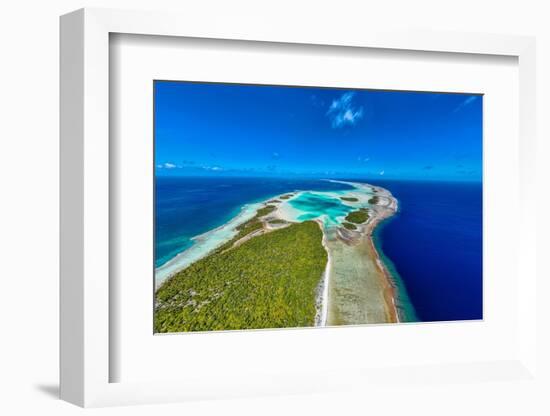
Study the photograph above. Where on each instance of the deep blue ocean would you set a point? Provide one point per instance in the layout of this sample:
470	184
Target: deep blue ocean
434	241
435	244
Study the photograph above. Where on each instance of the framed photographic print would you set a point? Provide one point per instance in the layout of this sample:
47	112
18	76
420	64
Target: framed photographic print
268	211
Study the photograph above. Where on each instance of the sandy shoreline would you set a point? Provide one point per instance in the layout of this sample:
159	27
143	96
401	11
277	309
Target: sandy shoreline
362	289
205	244
356	287
389	287
322	300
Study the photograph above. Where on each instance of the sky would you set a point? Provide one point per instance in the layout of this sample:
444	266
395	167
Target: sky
255	130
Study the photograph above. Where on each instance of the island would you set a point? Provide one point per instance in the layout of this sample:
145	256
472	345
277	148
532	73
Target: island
306	258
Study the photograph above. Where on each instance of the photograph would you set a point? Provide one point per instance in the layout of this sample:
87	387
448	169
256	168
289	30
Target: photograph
287	206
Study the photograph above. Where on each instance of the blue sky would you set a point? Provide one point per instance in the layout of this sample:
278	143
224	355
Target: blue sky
230	129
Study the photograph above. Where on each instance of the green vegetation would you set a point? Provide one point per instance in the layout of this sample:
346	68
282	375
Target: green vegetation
268	281
268	209
273	201
348	199
349	226
374	200
287	196
248	227
358	217
277	221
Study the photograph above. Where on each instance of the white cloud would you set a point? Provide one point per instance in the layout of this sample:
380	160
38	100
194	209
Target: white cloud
169	165
166	165
466	102
342	111
212	168
382	173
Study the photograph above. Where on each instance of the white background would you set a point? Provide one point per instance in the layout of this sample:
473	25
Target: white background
29	209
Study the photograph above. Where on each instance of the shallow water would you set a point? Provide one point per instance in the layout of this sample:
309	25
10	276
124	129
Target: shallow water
328	207
317	205
356	289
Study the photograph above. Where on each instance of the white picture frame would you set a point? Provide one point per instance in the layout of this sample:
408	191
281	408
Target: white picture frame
85	203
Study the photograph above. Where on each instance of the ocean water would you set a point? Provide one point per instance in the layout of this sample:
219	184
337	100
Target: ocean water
189	206
314	205
434	242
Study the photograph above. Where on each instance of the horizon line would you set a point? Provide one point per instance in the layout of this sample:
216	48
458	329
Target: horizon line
351	178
